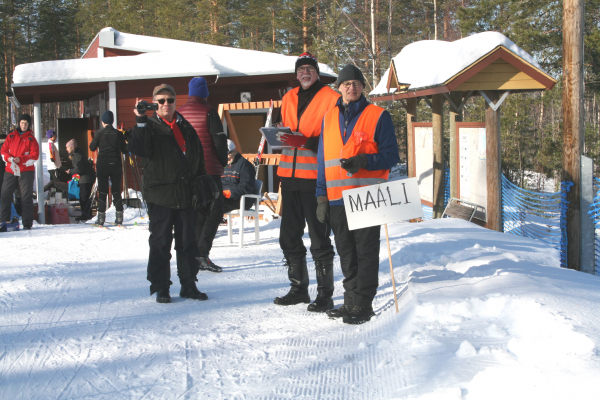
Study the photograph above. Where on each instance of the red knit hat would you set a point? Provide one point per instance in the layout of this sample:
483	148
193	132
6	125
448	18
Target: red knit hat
306	59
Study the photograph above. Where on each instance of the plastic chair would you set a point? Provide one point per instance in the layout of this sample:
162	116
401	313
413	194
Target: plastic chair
242	212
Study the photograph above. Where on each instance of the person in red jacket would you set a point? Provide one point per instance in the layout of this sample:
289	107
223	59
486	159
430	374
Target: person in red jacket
19	152
205	120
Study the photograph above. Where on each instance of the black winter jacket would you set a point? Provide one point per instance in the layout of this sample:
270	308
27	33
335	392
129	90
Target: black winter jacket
110	143
239	178
81	166
166	175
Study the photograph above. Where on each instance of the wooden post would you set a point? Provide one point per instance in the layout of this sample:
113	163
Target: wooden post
387	239
573	124
492	140
437	110
411	113
455	116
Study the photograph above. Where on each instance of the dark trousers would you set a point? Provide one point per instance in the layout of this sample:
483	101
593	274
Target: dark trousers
113	171
207	226
230	204
54	180
359	258
298	210
25	185
163	221
85	190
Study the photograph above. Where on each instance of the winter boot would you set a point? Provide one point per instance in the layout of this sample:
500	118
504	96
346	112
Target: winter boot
207	265
163	296
339	312
190	291
359	315
119	218
101	218
298	275
323	302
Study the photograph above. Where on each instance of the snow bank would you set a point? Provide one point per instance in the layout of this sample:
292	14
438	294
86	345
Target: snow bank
432	62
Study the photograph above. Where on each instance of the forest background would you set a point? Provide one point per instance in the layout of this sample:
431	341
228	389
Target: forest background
367	33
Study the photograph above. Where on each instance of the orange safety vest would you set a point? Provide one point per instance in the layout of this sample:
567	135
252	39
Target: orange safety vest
302	163
360	142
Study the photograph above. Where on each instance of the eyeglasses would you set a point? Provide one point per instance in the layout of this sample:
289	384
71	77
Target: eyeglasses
355	84
170	100
306	69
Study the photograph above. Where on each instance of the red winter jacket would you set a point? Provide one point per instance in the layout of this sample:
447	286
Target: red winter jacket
23	146
196	111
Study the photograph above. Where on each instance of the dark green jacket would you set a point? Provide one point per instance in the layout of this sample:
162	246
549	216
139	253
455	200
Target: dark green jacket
166	175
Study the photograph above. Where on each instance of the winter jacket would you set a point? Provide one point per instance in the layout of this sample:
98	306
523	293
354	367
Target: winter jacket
387	154
52	157
166	175
22	145
209	128
239	178
110	143
81	166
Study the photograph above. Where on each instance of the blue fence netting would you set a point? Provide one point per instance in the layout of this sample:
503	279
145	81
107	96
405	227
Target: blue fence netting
595	216
536	215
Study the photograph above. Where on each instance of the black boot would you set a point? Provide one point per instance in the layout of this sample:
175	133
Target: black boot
163	296
119	218
190	291
323	302
298	274
101	218
359	315
207	265
339	312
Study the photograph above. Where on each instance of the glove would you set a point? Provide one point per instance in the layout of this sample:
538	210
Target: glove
52	159
227	193
292	140
323	209
353	164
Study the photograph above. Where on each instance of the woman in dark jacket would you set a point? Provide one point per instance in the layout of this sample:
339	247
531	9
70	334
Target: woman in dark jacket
87	176
110	143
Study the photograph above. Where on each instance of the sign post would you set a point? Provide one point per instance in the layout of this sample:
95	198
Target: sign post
380	204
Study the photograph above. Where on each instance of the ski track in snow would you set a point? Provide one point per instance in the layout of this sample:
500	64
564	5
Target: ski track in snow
81	324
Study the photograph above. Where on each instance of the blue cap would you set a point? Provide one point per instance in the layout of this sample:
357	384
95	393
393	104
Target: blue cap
50	133
108	117
198	87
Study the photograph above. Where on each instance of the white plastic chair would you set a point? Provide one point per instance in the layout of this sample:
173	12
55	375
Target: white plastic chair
242	212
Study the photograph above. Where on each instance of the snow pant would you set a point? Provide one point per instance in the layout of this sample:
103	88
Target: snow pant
207	226
163	221
85	190
298	210
109	168
359	258
230	205
54	181
25	185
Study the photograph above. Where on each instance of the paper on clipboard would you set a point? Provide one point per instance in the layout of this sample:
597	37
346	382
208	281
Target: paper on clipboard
271	136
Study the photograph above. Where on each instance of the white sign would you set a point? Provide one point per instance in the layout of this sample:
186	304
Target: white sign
383	203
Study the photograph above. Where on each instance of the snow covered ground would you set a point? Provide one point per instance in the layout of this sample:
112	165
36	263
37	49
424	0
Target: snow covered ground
483	315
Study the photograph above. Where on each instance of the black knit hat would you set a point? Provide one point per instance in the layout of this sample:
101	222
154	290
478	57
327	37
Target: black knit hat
350	73
306	59
25	117
108	117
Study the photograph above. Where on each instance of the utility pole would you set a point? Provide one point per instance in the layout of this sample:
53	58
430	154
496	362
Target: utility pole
573	123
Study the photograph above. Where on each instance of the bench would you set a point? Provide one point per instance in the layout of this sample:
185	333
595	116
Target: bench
462	209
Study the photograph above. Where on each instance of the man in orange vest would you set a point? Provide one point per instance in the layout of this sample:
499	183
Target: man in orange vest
302	110
357	148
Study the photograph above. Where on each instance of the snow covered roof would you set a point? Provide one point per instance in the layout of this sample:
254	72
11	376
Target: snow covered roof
430	63
142	66
196	59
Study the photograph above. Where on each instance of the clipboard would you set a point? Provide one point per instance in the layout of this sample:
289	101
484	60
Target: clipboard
271	135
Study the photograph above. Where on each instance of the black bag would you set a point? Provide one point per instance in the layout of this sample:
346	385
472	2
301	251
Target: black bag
204	192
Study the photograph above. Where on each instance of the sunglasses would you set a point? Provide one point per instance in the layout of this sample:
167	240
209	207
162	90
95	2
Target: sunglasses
170	100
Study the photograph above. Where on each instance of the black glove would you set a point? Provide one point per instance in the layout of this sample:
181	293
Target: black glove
323	209
353	164
204	192
52	159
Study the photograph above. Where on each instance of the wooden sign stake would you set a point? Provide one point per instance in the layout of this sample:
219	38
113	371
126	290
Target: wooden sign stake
387	239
